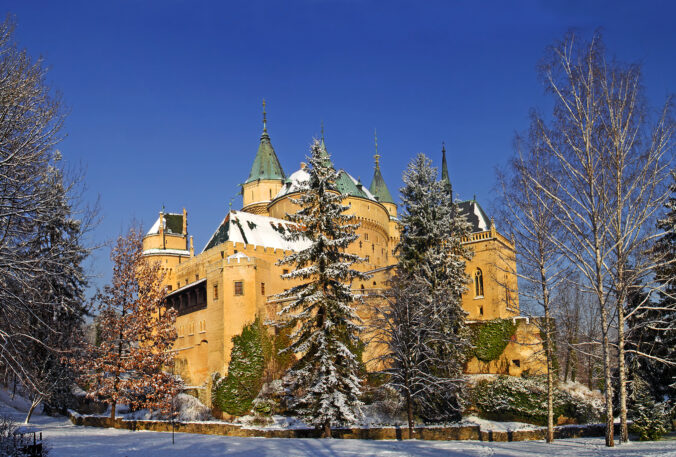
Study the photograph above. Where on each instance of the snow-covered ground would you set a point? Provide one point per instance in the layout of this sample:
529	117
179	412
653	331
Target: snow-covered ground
67	440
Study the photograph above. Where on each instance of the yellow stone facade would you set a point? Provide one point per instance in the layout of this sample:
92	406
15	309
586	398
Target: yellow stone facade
236	277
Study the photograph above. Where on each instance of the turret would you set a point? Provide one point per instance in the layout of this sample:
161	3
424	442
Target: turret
266	177
167	242
378	187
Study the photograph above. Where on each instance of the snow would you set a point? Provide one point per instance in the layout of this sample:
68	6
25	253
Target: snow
67	440
487	425
257	230
166	251
297	180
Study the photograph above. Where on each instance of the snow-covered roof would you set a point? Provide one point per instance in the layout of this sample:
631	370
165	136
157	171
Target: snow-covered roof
346	184
475	215
173	224
247	228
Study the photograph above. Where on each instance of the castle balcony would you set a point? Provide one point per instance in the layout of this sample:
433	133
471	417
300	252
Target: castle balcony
189	298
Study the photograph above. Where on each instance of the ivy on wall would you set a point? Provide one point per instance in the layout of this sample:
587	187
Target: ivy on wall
489	338
254	360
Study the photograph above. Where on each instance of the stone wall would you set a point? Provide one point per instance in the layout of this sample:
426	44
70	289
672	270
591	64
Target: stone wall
441	433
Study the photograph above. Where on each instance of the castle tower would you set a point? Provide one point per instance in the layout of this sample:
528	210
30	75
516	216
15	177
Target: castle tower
266	177
167	242
378	187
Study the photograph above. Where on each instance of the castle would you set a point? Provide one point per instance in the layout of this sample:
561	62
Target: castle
236	277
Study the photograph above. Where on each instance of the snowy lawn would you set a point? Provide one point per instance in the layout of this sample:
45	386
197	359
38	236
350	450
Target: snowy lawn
67	440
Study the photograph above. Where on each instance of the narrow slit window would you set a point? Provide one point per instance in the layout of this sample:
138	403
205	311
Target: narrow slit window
239	287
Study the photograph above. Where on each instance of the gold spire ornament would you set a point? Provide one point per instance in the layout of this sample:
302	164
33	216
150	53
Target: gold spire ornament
265	121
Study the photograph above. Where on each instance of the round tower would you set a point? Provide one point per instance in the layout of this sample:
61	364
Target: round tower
266	177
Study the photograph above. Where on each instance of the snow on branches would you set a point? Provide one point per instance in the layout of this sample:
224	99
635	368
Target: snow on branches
321	312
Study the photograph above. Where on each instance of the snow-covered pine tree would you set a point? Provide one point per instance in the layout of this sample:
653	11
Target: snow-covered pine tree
652	317
321	312
432	261
136	334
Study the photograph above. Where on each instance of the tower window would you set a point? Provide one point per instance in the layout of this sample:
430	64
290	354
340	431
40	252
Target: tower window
481	310
262	288
373	248
215	291
285	271
478	283
360	245
239	287
270	194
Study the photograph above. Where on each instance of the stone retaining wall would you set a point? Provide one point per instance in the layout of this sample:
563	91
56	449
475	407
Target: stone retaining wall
460	432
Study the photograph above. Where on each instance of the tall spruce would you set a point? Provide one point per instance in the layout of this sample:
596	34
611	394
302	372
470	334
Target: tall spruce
321	311
432	268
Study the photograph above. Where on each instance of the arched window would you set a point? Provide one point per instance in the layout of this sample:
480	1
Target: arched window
478	283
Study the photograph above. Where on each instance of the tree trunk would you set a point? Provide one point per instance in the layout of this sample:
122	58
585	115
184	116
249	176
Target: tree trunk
327	429
624	431
34	404
409	411
610	438
112	409
550	381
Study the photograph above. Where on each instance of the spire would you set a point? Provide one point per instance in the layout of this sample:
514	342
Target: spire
444	164
378	187
324	153
444	169
266	164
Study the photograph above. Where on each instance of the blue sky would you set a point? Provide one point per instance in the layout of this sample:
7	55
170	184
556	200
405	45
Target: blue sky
165	96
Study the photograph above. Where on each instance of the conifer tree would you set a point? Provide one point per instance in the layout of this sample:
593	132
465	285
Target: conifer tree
321	312
432	263
132	361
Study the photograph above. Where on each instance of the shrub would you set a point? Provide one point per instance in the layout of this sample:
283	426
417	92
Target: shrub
508	398
650	419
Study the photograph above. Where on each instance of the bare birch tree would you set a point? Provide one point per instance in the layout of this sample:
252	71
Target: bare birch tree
533	227
609	170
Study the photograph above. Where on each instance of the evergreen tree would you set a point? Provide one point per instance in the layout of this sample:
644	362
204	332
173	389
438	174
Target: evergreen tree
432	268
650	419
321	311
652	317
131	362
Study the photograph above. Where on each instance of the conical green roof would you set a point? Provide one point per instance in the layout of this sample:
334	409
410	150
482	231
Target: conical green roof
378	187
266	164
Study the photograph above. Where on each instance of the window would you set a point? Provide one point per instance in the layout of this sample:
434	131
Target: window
481	310
285	271
478	283
169	288
197	277
270	194
215	291
360	245
373	248
362	287
517	363
239	287
262	288
366	236
374	283
368	259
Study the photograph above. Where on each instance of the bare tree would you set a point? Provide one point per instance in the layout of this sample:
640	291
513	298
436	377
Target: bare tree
525	211
609	170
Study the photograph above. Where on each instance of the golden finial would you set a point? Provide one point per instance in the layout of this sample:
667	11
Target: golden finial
265	122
